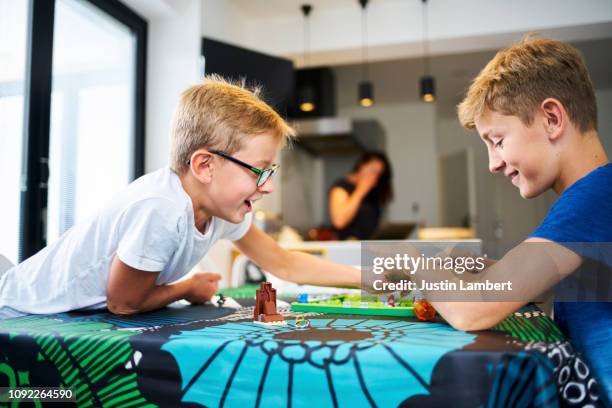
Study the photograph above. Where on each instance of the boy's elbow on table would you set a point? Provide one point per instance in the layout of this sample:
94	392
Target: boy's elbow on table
468	317
468	324
121	308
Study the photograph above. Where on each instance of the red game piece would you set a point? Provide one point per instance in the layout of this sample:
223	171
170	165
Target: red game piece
392	300
265	305
423	310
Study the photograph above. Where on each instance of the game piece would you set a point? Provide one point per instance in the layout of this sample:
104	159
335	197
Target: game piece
301	322
265	305
224	301
423	310
302	298
391	300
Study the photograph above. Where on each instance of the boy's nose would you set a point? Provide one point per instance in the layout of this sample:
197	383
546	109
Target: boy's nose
267	187
496	163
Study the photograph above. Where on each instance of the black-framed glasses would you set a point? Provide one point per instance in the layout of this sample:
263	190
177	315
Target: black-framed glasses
262	174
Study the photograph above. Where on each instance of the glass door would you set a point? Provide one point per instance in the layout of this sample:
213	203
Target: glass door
91	149
13	48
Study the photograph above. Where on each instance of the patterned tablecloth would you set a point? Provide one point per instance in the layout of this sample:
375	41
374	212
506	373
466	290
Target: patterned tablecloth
207	356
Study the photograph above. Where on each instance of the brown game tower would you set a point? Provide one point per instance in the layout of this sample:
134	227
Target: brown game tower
265	304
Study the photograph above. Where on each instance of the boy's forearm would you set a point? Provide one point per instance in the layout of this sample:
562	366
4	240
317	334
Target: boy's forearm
308	269
532	267
158	297
295	266
473	316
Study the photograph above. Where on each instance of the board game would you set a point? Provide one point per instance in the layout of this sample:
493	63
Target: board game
356	305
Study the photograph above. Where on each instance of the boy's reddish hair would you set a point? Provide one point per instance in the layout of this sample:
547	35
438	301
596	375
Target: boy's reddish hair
519	78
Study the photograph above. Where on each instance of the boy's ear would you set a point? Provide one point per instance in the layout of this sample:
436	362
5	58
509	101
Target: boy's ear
555	117
201	165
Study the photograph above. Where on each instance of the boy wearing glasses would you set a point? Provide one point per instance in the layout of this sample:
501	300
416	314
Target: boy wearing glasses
129	256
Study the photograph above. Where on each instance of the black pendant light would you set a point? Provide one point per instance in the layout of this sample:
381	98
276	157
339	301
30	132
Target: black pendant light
366	88
428	90
427	82
306	93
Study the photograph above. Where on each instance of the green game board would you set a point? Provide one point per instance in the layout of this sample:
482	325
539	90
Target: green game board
356	305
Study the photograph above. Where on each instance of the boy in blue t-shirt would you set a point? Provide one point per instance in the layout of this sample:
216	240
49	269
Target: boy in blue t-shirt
534	107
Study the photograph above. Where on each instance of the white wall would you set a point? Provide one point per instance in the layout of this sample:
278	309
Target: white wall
223	21
173	65
302	194
452	138
604	118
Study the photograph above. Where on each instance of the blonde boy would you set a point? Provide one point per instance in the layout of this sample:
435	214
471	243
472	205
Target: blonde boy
534	107
129	256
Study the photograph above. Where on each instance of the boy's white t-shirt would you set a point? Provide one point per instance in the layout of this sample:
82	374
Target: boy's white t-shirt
149	226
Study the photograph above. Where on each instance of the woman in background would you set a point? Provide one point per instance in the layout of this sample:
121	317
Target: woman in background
357	200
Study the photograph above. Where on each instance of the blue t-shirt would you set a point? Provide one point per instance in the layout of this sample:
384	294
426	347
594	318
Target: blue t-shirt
581	220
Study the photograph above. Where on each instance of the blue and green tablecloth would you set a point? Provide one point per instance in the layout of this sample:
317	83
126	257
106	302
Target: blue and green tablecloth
194	356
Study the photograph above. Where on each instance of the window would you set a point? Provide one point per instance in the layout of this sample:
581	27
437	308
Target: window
13	40
92	111
77	69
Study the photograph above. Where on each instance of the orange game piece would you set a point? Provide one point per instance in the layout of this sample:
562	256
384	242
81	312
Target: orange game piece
423	310
265	305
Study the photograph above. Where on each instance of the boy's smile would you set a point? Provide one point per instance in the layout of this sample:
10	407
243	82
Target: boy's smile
523	153
224	185
234	188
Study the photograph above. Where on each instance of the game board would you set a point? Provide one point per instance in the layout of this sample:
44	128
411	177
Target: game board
357	305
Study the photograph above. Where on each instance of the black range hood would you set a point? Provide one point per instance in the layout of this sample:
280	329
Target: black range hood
339	135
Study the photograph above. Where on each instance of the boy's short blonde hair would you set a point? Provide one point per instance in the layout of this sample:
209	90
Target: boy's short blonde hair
519	78
219	114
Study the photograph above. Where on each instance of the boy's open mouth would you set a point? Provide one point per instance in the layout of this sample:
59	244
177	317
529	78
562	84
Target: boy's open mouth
249	204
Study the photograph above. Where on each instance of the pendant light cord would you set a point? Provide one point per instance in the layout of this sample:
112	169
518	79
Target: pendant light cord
364	39
306	8
425	38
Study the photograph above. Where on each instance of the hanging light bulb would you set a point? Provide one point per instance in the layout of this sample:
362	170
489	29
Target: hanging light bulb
366	94
428	89
427	82
366	88
307	97
306	93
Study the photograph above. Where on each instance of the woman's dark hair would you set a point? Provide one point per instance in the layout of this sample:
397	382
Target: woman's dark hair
383	190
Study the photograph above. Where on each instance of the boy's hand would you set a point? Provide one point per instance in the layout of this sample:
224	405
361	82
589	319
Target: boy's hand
389	276
203	285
